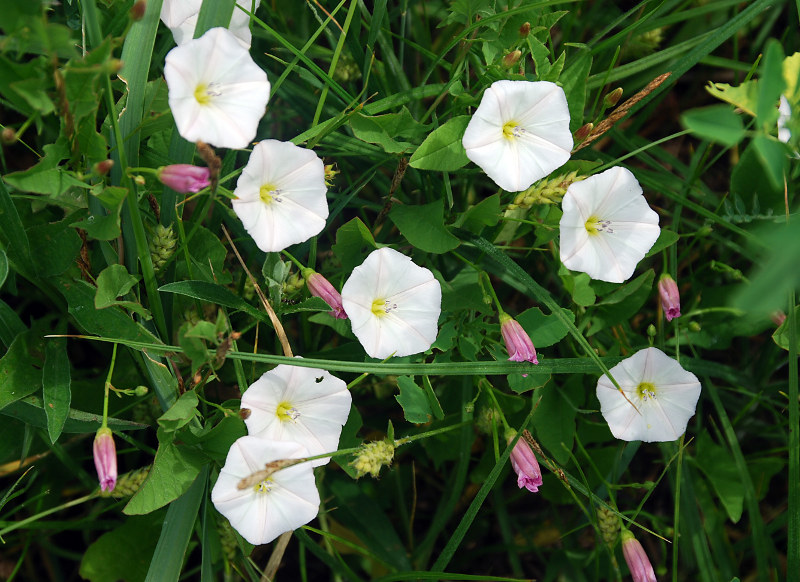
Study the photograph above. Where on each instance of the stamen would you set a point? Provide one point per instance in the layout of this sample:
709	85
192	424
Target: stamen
381	307
596	225
513	129
270	193
286	411
264	486
203	93
646	390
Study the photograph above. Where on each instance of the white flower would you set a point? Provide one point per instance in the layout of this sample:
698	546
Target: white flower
519	133
180	16
393	304
664	394
280	502
217	93
784	115
281	195
607	226
302	405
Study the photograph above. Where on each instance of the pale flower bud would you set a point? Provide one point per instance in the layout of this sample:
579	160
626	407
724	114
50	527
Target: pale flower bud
184	178
319	286
670	299
524	462
105	459
635	556
512	59
518	343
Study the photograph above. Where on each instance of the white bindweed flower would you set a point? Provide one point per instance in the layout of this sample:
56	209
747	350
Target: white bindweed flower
784	115
663	392
180	16
393	304
268	505
519	133
302	405
217	93
607	226
280	196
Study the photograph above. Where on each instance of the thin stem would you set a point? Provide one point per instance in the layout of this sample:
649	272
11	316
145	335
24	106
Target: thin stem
107	386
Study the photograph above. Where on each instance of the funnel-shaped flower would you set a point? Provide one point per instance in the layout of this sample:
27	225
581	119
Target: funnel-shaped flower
280	196
275	504
180	16
664	394
184	178
524	462
670	299
302	405
636	558
784	115
607	226
105	459
393	304
320	287
519	132
217	93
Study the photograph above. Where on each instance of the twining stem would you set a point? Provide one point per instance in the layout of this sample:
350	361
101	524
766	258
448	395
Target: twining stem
108	386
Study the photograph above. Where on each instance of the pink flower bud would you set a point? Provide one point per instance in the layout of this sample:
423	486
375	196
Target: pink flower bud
105	459
319	286
526	466
670	300
184	178
518	343
638	564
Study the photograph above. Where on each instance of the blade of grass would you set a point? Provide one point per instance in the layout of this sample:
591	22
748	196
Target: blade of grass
793	553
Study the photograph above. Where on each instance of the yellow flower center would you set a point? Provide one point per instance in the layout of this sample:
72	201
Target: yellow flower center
596	225
204	92
269	193
512	129
646	390
382	307
264	486
287	412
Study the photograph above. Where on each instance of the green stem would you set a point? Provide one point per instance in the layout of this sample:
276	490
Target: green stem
107	386
47	512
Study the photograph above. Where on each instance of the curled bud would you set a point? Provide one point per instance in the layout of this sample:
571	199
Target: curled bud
319	286
138	10
524	462
611	99
635	556
512	59
372	457
525	30
518	342
583	132
670	299
184	178
105	459
103	168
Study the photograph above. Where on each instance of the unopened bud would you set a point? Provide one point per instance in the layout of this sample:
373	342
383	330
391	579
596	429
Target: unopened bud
525	30
139	180
140	390
583	132
512	59
138	10
694	326
611	99
103	168
330	174
651	331
9	136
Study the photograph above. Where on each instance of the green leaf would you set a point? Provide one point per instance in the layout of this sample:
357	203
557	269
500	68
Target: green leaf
433	401
207	255
770	86
54	247
110	322
781	335
666	239
484	213
388	130
573	81
554	418
213	293
423	226
138	535
717	123
12	230
744	96
10	324
544	330
717	465
623	303
179	414
3	267
442	149
21	368
350	240
174	470
772	156
56	386
582	292
414	401
30	410
105	227
115	281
